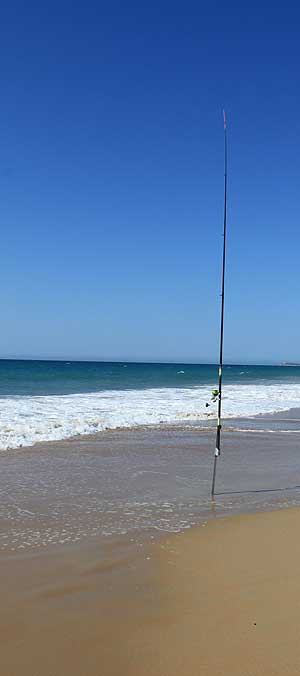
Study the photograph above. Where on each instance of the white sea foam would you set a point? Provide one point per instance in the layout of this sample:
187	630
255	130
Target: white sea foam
27	420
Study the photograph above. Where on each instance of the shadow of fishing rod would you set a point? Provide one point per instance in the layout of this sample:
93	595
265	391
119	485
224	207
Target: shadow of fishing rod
259	490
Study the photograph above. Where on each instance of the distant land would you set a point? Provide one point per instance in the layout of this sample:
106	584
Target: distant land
289	363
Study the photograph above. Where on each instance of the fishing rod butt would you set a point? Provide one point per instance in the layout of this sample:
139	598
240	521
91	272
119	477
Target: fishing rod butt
214	475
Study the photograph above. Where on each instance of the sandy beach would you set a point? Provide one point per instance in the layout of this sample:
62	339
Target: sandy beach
114	561
219	599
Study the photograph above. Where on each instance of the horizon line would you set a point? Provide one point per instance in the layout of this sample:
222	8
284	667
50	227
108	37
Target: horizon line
151	361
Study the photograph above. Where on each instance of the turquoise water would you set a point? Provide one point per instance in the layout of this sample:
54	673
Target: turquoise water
18	377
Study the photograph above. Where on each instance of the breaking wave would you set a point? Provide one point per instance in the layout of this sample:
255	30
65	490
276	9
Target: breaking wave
26	420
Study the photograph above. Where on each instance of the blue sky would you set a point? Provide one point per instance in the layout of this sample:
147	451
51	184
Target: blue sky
111	180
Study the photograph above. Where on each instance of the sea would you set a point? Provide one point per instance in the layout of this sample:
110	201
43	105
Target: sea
56	400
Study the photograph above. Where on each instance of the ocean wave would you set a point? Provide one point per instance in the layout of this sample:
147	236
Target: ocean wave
27	420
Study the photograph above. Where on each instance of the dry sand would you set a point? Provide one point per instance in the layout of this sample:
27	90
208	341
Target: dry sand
223	599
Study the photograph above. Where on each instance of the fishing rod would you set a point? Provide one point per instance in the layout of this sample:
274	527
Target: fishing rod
219	422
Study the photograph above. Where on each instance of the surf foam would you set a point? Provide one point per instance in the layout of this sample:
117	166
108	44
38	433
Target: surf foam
27	420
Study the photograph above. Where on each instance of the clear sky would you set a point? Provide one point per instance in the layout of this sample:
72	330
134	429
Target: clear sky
111	180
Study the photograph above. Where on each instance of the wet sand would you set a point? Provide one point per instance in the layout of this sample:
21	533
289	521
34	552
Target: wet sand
143	483
220	599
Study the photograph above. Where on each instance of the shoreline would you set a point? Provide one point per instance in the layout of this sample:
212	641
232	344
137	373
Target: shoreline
115	560
219	599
